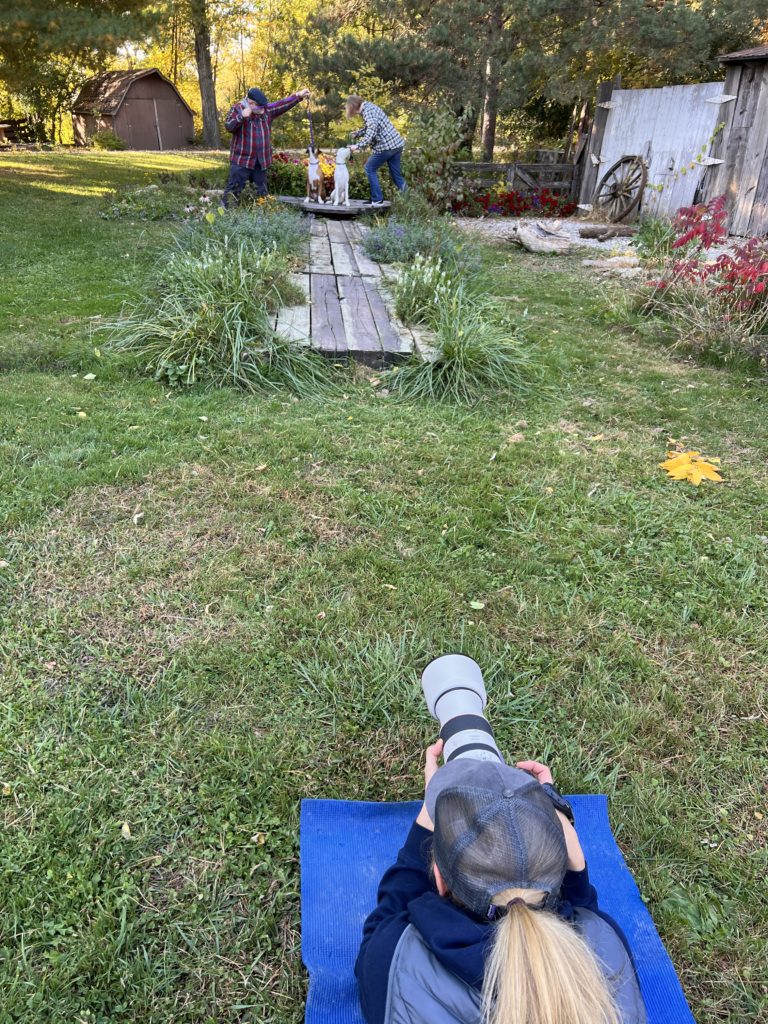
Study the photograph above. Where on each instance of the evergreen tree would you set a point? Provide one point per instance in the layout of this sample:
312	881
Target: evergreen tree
496	56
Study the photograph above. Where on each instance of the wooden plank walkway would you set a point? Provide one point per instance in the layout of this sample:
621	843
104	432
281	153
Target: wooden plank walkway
348	310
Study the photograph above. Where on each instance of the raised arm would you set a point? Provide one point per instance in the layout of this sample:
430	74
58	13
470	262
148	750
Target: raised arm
234	119
283	106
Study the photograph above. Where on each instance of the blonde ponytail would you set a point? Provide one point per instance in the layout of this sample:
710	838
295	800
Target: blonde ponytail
540	970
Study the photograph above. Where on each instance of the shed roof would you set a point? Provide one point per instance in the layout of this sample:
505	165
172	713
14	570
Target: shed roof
754	53
106	92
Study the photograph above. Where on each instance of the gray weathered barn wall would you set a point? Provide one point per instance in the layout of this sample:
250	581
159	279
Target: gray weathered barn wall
743	144
667	127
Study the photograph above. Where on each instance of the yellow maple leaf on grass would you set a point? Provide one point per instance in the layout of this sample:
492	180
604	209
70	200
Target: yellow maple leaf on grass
691	466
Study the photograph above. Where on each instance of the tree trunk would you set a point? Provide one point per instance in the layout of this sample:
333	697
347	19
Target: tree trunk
202	31
175	47
490	109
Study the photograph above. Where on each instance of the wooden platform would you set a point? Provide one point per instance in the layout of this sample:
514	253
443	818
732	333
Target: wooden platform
356	208
348	312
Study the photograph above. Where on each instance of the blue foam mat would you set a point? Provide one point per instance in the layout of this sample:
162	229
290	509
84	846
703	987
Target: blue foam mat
347	845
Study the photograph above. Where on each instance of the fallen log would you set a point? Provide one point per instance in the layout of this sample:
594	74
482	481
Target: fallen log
538	238
605	231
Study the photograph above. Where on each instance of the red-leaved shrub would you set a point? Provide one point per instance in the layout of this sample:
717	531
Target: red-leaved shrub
717	306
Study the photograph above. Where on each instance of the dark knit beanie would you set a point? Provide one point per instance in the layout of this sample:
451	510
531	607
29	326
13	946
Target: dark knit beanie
258	97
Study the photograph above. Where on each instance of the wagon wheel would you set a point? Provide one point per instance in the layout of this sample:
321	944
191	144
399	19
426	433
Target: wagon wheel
621	188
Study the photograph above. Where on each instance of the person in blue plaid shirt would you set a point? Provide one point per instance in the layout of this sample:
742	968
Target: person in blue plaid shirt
250	122
385	141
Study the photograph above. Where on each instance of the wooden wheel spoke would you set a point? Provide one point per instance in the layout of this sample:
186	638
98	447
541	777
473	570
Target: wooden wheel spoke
621	188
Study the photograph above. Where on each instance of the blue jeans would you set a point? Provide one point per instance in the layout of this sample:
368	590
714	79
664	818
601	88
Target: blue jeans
239	178
391	158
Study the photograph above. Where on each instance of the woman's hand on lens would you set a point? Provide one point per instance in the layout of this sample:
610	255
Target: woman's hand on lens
539	771
543	775
430	767
432	757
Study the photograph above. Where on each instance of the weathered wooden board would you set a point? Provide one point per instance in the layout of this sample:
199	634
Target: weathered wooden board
393	344
356	232
307	257
337	230
366	266
352	230
592	171
754	153
715	178
407	343
359	322
328	334
414	340
667	127
293	322
344	264
320	255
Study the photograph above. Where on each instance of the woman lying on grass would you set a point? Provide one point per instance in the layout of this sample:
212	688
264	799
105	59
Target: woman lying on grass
488	914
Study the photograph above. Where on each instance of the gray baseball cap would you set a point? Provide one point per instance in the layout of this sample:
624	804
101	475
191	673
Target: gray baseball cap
495	829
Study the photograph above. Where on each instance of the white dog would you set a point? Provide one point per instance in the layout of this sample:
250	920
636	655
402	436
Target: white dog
340	194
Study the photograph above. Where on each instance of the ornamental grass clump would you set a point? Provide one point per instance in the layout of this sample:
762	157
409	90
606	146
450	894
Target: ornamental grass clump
210	319
261	229
476	352
421	289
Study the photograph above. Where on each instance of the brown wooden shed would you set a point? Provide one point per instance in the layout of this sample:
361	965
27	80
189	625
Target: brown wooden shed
141	107
741	148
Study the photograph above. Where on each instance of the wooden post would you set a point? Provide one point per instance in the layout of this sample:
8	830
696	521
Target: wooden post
592	170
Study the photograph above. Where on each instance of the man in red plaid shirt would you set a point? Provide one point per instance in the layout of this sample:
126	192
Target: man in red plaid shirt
250	154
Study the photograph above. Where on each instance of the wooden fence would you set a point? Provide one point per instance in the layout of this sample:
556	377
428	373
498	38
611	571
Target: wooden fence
555	177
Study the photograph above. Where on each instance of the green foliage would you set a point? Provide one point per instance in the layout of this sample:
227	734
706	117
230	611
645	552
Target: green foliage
476	353
106	139
267	228
48	49
653	242
433	141
150	202
209	316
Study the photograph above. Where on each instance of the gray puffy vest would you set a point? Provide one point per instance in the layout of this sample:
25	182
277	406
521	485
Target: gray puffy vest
422	991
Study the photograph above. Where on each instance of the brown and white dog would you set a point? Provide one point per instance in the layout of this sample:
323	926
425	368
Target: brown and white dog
315	177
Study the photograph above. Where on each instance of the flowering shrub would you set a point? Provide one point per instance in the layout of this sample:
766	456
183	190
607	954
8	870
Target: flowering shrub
511	203
421	288
401	241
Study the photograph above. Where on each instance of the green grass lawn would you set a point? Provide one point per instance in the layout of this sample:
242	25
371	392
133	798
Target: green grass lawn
213	605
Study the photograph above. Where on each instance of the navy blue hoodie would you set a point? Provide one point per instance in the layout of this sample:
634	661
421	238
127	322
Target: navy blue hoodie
459	939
